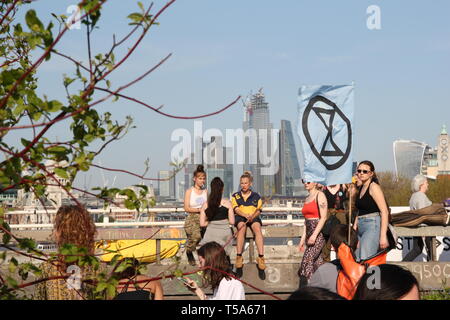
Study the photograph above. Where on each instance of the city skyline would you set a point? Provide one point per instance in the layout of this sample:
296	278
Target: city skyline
400	71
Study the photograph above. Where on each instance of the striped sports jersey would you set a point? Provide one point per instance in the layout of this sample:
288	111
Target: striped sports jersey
247	206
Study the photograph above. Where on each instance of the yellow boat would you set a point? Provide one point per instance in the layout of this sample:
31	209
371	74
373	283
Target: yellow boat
143	250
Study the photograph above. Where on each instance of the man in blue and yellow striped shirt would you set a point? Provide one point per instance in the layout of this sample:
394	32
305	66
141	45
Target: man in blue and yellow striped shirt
247	206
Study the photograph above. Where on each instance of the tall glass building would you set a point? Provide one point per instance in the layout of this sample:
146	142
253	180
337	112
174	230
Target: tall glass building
257	117
166	187
289	170
218	164
409	157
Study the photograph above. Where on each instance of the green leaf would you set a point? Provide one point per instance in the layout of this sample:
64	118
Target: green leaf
129	204
33	21
136	17
111	291
61	172
36	116
57	149
54	106
27	244
12	265
25	142
68	81
101	287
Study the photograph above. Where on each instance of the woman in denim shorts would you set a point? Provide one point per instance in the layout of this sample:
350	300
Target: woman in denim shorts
373	217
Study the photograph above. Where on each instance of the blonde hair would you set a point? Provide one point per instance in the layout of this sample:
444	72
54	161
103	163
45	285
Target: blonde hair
248	175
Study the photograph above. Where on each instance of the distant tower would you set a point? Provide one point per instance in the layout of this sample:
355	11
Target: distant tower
166	187
218	164
443	154
289	170
256	116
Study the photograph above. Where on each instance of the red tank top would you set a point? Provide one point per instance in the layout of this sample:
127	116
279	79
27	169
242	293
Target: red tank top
310	210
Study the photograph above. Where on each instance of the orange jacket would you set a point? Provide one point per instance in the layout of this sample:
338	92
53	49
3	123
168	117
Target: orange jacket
352	271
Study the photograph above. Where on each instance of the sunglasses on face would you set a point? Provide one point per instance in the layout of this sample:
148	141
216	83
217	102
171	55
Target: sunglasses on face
363	171
304	182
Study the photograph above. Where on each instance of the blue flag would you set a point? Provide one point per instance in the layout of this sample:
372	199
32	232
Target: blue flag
325	127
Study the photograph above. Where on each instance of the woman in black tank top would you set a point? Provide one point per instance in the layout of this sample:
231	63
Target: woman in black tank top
217	215
373	214
366	204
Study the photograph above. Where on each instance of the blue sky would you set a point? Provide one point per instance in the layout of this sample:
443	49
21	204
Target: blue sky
222	49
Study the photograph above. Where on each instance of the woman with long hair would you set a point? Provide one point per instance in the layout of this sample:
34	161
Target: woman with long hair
315	213
247	206
217	215
72	226
217	275
373	213
194	199
132	287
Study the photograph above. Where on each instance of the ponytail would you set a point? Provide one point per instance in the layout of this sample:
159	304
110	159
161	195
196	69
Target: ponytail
214	198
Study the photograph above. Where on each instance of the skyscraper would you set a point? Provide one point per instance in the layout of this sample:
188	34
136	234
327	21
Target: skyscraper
289	170
196	158
166	186
218	164
409	157
257	117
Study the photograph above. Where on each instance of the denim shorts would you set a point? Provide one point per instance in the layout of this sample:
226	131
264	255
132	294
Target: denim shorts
368	236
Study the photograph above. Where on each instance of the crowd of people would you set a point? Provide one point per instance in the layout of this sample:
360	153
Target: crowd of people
360	241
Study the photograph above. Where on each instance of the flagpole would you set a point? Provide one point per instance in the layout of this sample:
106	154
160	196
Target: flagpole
350	213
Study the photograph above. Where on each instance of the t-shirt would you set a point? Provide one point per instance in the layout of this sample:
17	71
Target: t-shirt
419	200
325	276
247	206
229	290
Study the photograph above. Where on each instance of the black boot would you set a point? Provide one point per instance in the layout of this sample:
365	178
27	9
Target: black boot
303	282
191	258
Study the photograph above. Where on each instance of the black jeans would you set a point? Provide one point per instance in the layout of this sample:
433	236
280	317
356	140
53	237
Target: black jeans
418	247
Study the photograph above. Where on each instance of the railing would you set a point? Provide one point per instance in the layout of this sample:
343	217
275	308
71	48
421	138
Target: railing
282	261
293	215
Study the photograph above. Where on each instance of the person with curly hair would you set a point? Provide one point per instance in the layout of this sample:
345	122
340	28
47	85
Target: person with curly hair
72	226
217	274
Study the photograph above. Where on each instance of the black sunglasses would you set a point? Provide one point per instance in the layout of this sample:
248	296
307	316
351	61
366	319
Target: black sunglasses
304	182
363	171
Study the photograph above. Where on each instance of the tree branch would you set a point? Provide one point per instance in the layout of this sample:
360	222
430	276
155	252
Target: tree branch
45	54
